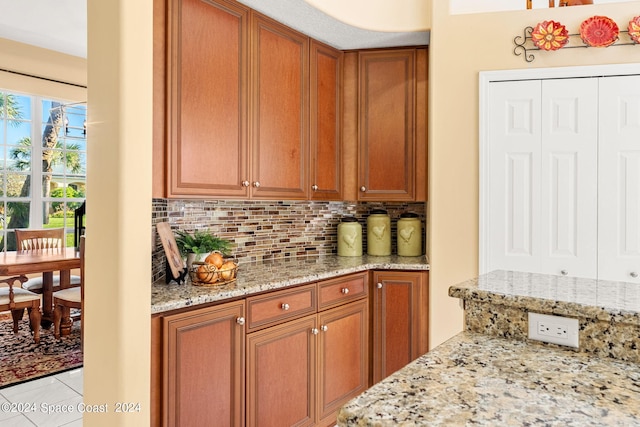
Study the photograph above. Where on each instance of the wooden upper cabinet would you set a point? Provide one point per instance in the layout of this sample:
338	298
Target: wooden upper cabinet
207	98
279	131
391	117
325	136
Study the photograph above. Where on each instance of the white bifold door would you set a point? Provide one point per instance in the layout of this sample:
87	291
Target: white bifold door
619	179
548	185
543	176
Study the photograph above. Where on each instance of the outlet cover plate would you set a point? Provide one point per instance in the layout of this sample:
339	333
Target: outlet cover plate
553	329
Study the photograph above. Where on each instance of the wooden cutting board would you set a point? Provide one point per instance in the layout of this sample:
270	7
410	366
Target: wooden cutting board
170	248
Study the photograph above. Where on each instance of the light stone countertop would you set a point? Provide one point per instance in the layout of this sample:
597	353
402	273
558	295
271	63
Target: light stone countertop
599	299
476	379
270	275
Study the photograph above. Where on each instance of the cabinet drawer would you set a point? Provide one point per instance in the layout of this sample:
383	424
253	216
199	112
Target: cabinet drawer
275	307
342	289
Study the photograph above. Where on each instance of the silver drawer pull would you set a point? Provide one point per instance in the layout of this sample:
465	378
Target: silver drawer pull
633	274
285	306
564	272
379	285
345	290
324	328
240	320
314	331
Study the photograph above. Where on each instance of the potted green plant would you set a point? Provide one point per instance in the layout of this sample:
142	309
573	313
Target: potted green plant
197	245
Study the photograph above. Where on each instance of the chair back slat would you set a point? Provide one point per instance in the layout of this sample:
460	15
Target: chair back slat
44	239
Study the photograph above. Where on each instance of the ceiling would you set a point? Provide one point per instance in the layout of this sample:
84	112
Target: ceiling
61	25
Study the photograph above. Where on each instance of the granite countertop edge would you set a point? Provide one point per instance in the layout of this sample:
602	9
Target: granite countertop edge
474	291
257	277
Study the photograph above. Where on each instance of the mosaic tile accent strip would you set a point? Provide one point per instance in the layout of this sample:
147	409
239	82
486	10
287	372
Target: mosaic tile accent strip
269	230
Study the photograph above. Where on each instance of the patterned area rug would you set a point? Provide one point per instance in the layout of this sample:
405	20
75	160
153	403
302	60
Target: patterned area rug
22	360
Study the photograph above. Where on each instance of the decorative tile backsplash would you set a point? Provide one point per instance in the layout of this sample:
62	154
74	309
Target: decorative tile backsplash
264	230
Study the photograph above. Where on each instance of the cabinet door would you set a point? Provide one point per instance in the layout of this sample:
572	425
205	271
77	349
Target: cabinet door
281	380
204	367
343	357
619	180
325	122
569	178
400	320
280	109
512	237
207	98
387	151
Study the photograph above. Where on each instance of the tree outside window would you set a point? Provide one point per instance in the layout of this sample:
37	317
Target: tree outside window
42	193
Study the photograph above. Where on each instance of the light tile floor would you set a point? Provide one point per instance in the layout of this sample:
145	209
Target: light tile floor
45	402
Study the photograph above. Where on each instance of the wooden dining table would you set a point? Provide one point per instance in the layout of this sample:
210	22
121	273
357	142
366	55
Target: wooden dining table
47	261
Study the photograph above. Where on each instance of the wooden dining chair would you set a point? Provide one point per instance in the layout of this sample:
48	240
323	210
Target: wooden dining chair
66	299
47	239
16	299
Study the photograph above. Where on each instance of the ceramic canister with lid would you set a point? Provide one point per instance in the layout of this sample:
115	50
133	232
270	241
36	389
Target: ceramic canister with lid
349	237
379	233
409	234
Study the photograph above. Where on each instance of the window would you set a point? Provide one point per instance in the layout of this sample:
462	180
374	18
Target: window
43	164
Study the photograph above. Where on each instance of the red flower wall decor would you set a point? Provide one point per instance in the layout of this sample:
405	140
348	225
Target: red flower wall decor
634	29
599	31
549	35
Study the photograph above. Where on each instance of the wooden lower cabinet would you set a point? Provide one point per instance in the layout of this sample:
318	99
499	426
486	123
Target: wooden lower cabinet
281	380
299	373
210	368
203	367
400	301
343	358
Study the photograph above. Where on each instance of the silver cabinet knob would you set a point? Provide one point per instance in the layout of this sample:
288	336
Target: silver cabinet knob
379	285
633	274
314	331
345	290
240	320
324	328
314	187
564	272
363	188
285	306
256	184
245	183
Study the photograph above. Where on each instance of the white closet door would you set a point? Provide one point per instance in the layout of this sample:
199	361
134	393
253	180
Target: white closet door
619	181
569	177
513	169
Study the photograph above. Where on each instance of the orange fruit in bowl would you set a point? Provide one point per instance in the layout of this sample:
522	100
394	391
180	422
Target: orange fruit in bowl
207	273
215	258
227	270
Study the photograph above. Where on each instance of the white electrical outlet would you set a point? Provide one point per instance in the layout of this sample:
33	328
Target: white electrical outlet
553	329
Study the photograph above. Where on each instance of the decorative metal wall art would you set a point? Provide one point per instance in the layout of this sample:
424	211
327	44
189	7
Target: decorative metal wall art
596	31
